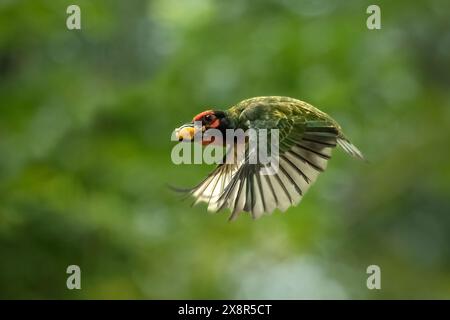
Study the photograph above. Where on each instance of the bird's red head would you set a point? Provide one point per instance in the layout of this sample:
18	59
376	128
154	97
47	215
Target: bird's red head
209	119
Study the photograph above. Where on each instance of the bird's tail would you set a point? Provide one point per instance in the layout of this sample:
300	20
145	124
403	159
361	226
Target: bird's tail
350	148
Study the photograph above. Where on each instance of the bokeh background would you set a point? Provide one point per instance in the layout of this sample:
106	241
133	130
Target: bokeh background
85	124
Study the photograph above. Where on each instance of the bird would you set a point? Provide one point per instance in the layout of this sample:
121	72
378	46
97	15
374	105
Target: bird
306	138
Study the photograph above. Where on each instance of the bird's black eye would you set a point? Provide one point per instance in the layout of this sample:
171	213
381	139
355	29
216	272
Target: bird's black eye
207	118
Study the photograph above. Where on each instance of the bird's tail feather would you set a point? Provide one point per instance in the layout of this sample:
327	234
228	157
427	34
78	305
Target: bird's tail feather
350	148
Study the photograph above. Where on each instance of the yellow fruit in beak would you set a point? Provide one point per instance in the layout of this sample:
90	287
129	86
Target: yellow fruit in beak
185	132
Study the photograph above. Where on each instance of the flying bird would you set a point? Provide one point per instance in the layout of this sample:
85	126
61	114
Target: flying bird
306	137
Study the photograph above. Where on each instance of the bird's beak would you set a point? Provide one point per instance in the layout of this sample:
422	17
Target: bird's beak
186	132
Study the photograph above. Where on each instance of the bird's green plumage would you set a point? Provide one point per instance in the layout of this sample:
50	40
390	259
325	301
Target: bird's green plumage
290	116
268	111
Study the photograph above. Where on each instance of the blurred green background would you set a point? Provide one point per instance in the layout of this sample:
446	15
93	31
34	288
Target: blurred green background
85	124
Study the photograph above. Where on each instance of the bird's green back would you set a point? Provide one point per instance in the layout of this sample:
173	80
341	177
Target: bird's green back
270	109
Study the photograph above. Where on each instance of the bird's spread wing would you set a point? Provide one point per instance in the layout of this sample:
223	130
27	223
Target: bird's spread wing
305	146
304	149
